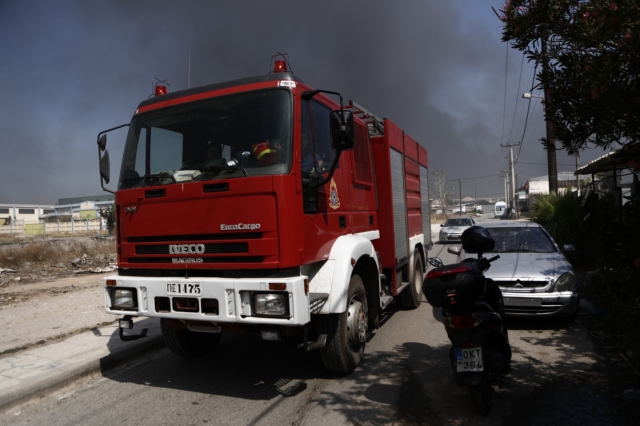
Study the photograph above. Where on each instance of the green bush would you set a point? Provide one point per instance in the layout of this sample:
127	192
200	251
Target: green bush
109	214
606	239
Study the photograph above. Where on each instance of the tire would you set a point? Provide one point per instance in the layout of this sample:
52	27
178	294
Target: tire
482	394
189	344
411	297
346	332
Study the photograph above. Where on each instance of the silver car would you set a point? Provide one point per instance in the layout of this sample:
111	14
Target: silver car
535	278
454	227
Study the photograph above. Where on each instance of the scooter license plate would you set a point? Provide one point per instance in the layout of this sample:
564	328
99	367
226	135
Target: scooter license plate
469	359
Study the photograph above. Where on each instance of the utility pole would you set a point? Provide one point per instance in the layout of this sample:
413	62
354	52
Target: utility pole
517	199
578	176
513	189
506	181
551	142
460	188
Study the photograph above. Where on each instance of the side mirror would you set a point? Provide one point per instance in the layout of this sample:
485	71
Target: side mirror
342	131
454	250
102	142
105	167
568	248
441	225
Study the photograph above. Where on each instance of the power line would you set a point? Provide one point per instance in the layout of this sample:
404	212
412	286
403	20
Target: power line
477	177
526	121
504	108
515	110
544	164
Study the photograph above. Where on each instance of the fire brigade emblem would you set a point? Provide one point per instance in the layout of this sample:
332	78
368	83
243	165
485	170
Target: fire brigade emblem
334	200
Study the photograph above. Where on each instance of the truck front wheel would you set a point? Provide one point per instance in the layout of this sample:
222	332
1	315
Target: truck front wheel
346	332
411	297
188	344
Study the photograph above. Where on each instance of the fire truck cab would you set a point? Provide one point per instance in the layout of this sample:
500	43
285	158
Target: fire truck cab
263	205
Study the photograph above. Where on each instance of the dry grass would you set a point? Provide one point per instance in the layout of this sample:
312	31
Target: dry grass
54	252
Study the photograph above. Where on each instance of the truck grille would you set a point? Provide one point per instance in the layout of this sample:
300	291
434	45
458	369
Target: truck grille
200	237
208	248
522	284
226	259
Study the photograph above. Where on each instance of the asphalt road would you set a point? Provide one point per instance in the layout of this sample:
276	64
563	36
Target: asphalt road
404	379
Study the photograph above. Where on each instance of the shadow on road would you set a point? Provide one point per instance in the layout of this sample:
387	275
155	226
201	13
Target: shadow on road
554	380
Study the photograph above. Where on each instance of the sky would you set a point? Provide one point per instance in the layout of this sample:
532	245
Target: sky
438	69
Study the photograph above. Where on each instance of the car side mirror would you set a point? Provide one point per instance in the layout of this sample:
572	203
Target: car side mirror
441	225
342	131
568	248
454	250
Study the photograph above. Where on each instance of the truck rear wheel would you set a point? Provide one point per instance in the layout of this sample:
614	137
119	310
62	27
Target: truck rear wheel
411	297
346	332
189	344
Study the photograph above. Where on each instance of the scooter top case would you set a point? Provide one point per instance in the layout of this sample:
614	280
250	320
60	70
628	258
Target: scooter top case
454	285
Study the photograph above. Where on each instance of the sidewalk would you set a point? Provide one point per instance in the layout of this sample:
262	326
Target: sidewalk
34	372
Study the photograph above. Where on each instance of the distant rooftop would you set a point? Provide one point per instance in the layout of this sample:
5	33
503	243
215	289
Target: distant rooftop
78	200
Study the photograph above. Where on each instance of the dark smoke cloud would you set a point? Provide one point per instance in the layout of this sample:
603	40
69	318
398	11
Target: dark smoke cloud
73	68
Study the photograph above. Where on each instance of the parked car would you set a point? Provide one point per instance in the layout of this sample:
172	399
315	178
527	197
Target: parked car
454	227
535	278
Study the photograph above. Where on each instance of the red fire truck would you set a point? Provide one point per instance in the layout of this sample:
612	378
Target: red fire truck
263	205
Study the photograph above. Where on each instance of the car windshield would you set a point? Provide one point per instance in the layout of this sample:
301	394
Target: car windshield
458	222
521	239
247	134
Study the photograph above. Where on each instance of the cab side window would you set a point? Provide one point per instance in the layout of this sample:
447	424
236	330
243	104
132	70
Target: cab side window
316	138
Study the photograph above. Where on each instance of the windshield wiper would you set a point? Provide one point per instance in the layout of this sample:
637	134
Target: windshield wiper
225	167
161	175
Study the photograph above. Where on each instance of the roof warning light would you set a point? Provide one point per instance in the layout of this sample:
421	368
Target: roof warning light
159	87
280	66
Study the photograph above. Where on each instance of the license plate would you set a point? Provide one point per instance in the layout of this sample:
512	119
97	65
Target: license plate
469	359
184	289
521	301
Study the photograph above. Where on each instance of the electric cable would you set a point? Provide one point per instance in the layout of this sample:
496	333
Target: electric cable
504	107
515	110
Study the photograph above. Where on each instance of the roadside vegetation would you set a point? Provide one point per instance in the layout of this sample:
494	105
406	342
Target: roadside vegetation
606	257
37	260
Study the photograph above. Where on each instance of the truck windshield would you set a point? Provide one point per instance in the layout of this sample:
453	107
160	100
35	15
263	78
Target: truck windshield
246	134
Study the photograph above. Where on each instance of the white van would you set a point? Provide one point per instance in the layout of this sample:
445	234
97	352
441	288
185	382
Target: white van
499	209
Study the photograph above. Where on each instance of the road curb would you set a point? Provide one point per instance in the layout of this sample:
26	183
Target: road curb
33	385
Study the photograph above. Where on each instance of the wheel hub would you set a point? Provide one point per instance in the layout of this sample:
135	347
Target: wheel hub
357	322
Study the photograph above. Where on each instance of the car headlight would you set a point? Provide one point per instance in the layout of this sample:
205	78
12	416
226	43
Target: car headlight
566	282
270	304
123	298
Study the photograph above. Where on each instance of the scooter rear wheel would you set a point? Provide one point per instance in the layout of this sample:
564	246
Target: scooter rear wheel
481	394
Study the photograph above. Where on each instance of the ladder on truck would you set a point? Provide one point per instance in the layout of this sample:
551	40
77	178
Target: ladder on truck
374	123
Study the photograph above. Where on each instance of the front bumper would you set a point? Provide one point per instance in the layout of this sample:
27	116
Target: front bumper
232	298
535	305
449	237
